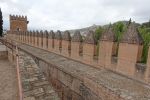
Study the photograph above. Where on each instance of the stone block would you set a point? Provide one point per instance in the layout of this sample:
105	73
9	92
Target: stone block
29	98
66	79
45	43
88	53
66	47
50	44
76	85
127	58
57	46
76	50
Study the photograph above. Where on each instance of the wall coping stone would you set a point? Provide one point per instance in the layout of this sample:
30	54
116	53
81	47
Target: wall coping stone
66	36
90	39
108	35
76	37
132	35
51	35
58	35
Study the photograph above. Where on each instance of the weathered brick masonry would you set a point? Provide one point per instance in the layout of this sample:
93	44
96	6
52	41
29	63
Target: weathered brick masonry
75	66
78	81
18	23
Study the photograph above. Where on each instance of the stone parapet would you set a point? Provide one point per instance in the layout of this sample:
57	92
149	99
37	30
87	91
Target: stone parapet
122	58
81	81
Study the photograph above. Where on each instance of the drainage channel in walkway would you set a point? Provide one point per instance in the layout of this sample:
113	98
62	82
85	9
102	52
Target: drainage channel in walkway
35	85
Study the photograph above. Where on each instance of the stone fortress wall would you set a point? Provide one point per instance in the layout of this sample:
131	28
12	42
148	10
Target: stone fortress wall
127	62
124	61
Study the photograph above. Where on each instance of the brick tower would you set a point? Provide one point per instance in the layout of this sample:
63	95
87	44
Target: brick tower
18	23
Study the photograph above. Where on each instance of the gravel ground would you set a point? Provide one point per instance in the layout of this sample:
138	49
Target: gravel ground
8	81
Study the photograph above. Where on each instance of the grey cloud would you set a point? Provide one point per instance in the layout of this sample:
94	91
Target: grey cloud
70	14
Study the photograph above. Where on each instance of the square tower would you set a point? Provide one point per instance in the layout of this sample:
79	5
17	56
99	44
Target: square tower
18	23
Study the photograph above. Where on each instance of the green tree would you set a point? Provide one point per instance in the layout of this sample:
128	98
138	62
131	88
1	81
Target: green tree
119	28
145	33
98	33
1	23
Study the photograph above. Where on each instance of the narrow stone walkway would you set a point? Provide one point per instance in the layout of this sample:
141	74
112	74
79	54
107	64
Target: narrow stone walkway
35	85
8	81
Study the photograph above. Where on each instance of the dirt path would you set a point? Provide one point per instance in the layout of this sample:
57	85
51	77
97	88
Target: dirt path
8	81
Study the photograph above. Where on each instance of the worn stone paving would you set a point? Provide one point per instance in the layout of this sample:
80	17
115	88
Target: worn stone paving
35	85
2	47
8	81
120	85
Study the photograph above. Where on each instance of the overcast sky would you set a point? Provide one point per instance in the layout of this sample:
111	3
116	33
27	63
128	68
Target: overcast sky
73	14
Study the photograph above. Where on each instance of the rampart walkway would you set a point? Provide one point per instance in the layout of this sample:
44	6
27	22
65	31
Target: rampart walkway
8	81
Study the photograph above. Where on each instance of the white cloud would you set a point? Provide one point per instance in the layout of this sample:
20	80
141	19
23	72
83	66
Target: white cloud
71	14
15	1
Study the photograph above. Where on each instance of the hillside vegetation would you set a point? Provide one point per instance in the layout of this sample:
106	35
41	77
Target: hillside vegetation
120	27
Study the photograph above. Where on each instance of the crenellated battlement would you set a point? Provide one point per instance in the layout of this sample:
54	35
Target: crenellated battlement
74	61
16	17
123	59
